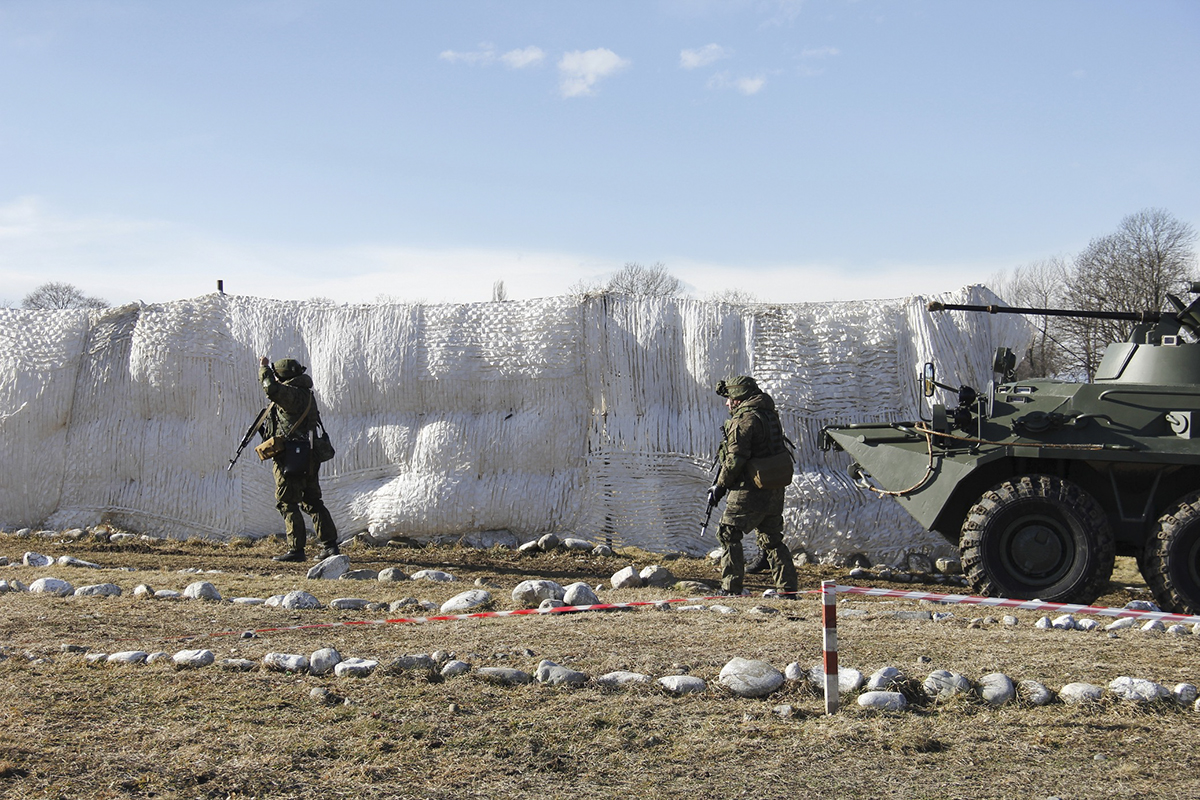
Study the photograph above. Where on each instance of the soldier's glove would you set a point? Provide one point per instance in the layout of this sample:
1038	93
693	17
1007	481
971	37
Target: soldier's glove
715	493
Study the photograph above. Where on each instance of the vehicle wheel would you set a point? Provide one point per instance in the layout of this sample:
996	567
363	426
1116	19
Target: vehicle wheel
1171	561
1037	536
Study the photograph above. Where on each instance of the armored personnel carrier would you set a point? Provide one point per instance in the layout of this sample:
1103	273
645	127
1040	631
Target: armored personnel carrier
1041	483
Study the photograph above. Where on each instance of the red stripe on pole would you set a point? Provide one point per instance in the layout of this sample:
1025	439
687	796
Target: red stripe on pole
829	644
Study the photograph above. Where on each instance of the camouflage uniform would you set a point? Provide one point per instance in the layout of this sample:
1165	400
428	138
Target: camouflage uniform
753	430
300	492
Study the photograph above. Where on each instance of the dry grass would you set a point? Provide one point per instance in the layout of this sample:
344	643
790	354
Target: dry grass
68	730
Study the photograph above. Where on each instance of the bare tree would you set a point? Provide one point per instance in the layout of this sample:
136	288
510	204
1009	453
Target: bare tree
637	280
499	293
56	295
1150	255
733	297
1039	284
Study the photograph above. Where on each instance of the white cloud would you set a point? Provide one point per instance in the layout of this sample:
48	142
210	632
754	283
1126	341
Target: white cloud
485	55
747	86
526	57
580	70
703	56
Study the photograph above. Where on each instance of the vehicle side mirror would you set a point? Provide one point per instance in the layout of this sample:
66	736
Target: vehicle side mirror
929	379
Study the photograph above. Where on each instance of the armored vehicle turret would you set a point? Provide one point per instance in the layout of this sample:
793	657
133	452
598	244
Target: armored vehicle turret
1041	482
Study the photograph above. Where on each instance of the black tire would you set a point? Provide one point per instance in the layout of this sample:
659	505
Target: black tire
1171	561
1037	536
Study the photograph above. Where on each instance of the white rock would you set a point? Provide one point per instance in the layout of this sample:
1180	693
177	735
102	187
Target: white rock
996	689
413	662
158	656
1010	621
322	662
299	600
392	575
330	569
1179	630
553	674
128	657
168	594
580	594
1064	623
627	578
1184	693
355	668
435	575
201	590
1044	624
549	604
849	680
142	590
467	602
722	609
602	550
274	601
236	664
750	678
885	678
34	559
548	542
1138	690
1121	623
795	672
942	684
1035	693
453	668
682	684
1077	693
1141	605
622	678
348	604
1086	625
286	662
1154	625
504	676
192	659
51	586
248	601
883	701
657	576
529	594
72	561
576	544
99	590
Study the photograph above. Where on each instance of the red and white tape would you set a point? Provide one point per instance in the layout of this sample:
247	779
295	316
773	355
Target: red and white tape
1028	605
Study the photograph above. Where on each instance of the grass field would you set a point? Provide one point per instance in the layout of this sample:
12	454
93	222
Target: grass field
72	731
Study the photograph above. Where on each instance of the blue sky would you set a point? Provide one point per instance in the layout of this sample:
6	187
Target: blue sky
800	150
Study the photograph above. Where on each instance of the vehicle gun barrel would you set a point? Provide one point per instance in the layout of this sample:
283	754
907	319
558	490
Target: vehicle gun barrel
1131	316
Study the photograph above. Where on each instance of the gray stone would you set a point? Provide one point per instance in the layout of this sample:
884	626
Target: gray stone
602	550
1010	620
943	684
467	602
883	701
996	689
682	684
1066	622
657	576
51	586
849	680
919	562
406	604
248	601
1120	623
201	590
330	569
529	547
359	575
504	676
580	594
72	561
529	594
1138	690
35	559
299	600
885	678
193	659
322	662
1044	623
1154	625
1184	693
1035	693
694	588
795	672
435	575
392	574
550	603
128	657
99	590
1141	605
158	657
349	604
949	566
286	662
722	609
622	678
750	678
413	662
1078	693
548	542
553	674
237	664
168	594
453	668
355	668
1179	630
1086	625
576	544
485	540
627	578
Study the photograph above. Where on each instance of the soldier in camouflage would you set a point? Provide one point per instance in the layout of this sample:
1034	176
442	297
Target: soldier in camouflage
752	431
291	395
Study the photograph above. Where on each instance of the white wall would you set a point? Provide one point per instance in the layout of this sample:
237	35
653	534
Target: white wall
591	415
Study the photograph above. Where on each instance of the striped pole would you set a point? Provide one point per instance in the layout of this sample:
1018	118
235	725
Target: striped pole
829	644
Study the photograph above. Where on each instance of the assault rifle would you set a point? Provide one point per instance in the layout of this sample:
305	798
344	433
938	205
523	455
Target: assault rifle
253	429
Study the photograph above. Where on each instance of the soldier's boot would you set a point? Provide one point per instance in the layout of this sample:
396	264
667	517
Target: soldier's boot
325	530
297	535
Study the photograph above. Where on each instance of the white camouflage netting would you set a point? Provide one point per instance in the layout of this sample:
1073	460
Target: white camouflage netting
593	415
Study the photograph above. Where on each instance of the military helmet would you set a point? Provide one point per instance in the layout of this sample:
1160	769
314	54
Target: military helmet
287	368
738	388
